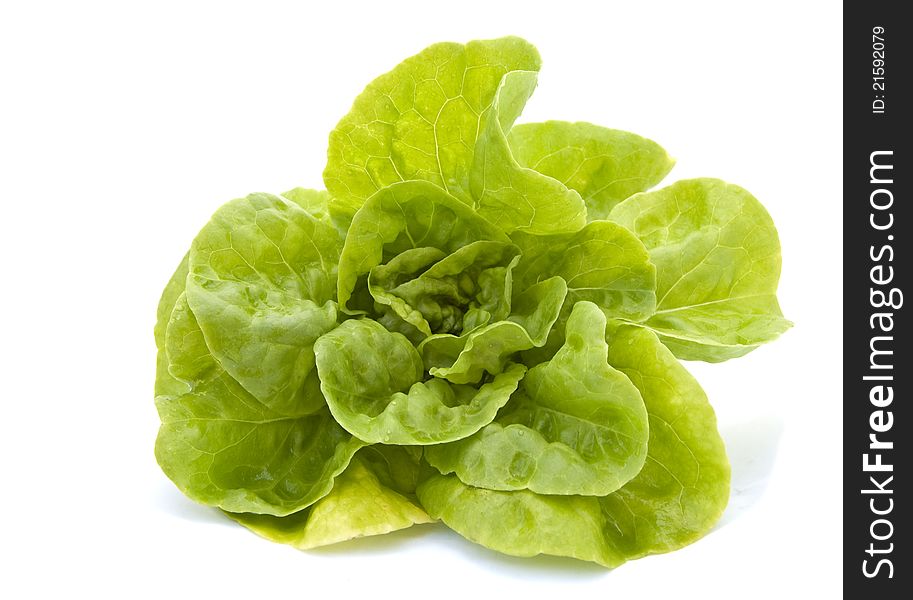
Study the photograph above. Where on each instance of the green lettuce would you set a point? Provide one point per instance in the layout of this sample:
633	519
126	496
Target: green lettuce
575	426
717	258
478	323
368	498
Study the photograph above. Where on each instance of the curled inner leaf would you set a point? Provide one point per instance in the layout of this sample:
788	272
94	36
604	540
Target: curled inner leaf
575	426
372	380
437	293
465	358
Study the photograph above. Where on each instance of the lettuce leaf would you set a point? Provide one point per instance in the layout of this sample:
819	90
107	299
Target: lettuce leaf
717	258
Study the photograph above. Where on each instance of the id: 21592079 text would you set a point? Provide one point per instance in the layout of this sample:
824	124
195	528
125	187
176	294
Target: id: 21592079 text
878	70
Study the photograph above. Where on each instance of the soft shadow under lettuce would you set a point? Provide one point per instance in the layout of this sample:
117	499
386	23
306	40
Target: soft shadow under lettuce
752	448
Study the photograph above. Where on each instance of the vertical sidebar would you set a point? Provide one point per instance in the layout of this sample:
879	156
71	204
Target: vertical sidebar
876	272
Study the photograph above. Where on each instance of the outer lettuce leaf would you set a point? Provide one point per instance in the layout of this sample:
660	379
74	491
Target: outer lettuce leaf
165	384
488	348
359	505
400	218
575	426
674	500
504	192
189	359
421	120
173	290
683	488
602	263
261	285
372	382
717	256
520	523
604	165
223	447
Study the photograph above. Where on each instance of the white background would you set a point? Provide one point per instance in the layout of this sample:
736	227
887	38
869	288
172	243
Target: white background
124	126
